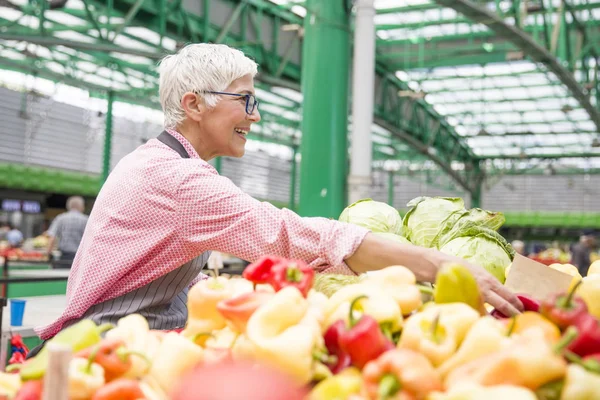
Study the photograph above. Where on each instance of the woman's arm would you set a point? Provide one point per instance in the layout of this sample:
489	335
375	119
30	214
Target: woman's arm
376	253
214	214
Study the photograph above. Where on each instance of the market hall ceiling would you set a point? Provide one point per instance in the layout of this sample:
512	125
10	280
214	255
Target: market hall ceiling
510	84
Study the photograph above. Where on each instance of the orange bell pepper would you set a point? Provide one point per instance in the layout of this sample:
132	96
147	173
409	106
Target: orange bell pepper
529	320
400	374
529	361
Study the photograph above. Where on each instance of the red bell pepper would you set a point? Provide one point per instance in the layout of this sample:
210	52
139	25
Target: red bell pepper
120	389
364	341
260	270
332	343
587	341
529	304
564	310
239	309
292	273
31	390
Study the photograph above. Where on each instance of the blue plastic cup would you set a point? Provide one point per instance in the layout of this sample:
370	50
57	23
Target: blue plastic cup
17	310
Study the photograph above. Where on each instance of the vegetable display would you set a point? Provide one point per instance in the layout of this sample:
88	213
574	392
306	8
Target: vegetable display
280	331
372	338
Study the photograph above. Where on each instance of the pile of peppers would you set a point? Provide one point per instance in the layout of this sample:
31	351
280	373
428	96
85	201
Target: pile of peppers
374	339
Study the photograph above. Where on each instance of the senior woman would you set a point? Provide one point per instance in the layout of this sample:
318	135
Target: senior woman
164	208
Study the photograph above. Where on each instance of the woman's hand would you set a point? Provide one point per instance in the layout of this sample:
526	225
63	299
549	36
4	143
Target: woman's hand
376	253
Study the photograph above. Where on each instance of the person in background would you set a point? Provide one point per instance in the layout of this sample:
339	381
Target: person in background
68	228
581	252
14	237
519	246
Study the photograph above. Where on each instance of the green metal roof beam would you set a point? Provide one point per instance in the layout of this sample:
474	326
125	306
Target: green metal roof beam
407	9
529	46
530	156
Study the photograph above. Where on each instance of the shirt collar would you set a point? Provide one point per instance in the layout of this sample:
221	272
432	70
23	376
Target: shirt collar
186	144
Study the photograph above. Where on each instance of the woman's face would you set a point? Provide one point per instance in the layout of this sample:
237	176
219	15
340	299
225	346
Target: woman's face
226	126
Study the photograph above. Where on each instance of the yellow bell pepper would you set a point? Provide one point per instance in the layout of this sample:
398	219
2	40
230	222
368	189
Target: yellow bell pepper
378	304
85	378
529	361
135	332
285	334
477	392
454	283
594	268
486	336
203	316
458	315
580	384
590	293
221	339
568	269
400	283
437	334
243	349
9	384
175	356
338	387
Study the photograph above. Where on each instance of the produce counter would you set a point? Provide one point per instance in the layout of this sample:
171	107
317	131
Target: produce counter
43	288
39	310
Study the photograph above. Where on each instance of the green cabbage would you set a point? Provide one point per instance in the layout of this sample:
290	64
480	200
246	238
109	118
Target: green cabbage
466	219
392	236
480	246
429	216
373	215
487	219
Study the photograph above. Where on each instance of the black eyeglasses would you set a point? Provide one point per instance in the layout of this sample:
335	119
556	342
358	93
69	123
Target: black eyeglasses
251	102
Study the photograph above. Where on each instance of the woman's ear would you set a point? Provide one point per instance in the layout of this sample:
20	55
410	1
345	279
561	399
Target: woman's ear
193	106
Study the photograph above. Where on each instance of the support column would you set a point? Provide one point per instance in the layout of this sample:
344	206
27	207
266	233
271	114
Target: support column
363	82
108	136
476	193
391	188
293	173
218	164
325	73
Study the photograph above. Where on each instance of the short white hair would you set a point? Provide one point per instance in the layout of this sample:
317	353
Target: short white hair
197	68
76	202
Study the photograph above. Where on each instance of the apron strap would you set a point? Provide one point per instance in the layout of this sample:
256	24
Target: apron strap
173	143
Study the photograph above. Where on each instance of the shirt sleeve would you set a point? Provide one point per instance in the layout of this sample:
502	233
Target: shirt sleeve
54	227
216	215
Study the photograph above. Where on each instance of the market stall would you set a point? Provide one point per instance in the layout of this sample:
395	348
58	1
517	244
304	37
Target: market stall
380	335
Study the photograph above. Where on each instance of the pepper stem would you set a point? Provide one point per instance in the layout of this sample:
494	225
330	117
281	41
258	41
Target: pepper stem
434	327
351	318
202	334
567	302
570	334
513	325
91	359
324	357
104	328
293	274
389	385
122	353
425	289
590	365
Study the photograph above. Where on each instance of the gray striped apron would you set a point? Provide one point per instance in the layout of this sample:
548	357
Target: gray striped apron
163	301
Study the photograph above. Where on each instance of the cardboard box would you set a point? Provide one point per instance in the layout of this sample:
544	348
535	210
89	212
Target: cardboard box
535	279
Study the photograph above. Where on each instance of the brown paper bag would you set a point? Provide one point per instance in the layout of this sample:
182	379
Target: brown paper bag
536	279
